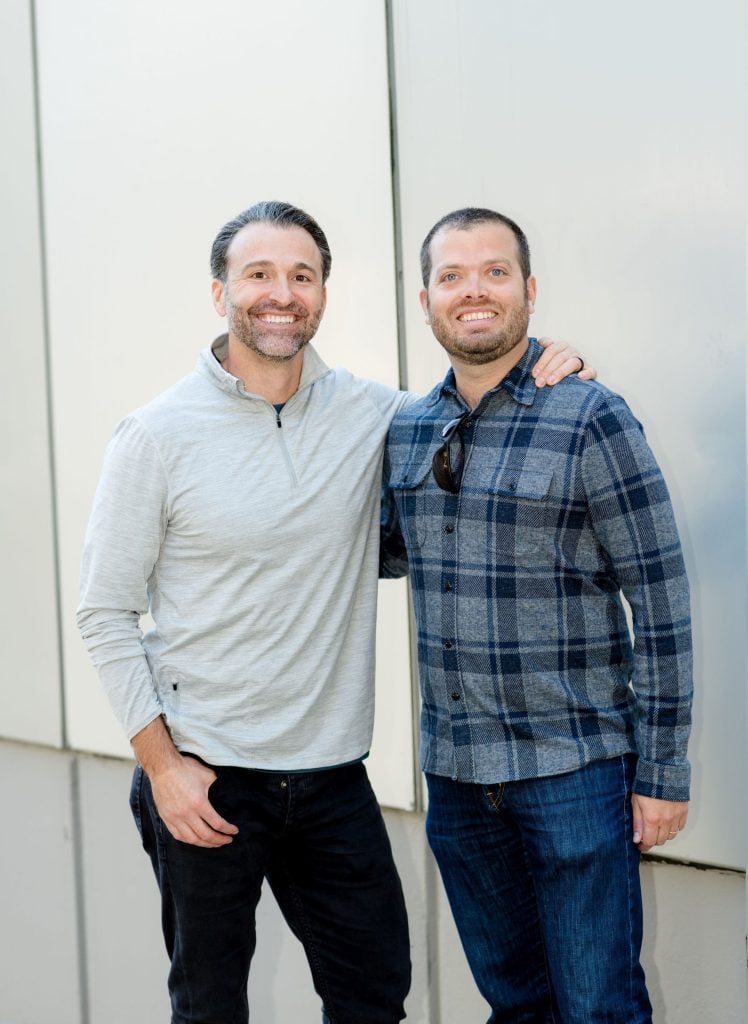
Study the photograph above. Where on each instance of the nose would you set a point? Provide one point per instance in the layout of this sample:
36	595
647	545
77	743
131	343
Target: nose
473	286
280	291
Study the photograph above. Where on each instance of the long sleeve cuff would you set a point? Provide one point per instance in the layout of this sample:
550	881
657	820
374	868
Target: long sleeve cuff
663	781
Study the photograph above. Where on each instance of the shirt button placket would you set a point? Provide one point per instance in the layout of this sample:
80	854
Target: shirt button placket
449	606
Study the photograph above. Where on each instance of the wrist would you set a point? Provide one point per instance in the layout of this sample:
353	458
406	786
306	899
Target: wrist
155	750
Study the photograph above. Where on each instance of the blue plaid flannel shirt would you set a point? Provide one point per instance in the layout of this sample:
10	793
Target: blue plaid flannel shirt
526	661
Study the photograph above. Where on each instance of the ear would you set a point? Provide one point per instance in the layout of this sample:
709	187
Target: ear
217	290
532	292
424	297
324	299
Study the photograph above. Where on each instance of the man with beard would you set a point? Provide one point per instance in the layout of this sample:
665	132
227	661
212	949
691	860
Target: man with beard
241	508
554	750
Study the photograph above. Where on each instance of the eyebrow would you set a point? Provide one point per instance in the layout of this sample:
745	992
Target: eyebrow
505	260
269	263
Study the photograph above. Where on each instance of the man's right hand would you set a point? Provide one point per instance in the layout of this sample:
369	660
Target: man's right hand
180	787
180	793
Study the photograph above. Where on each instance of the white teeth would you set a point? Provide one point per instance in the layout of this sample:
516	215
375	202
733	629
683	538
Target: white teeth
269	318
477	316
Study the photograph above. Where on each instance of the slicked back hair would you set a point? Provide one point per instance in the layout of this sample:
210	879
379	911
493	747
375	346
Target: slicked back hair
272	211
465	219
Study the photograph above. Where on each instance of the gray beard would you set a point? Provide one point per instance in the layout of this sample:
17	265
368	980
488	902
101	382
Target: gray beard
267	344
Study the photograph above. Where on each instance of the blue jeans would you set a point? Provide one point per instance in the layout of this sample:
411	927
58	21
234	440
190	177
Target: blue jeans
543	881
320	840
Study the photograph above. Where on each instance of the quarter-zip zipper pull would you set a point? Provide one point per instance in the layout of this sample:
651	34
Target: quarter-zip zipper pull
284	449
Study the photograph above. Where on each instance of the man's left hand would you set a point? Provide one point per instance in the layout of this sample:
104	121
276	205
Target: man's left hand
558	361
656	821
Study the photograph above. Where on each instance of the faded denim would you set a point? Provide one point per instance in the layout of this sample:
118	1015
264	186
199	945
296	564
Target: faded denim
543	880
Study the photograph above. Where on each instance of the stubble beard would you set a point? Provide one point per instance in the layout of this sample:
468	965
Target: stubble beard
268	343
481	349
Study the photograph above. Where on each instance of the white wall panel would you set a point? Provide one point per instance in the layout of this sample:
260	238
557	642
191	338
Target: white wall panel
127	965
29	679
159	125
616	137
694	948
392	760
39	978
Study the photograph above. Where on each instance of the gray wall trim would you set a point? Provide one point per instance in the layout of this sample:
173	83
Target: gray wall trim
80	900
402	362
48	370
396	209
697	865
434	981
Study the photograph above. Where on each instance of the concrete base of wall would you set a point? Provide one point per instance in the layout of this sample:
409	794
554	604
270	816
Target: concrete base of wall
80	940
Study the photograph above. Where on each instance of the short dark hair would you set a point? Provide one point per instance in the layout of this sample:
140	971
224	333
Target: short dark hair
270	211
465	219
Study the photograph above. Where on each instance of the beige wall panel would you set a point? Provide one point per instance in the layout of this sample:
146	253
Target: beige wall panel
157	128
616	137
38	936
126	959
29	683
694	944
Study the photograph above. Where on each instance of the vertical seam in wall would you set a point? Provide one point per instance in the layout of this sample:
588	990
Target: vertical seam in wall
80	901
396	210
76	817
48	372
433	985
432	938
402	360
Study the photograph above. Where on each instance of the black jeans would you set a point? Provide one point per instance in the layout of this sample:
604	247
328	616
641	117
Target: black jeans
320	840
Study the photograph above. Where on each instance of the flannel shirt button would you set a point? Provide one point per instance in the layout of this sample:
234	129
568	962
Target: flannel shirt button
449	528
512	486
447	645
447	588
455	695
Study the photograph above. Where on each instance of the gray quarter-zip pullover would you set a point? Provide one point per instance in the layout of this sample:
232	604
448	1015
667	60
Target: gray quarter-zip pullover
252	537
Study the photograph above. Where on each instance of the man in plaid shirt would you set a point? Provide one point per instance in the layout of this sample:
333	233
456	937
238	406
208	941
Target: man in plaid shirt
554	747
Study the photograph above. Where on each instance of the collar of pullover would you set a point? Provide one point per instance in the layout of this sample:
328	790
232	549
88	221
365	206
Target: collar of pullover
209	365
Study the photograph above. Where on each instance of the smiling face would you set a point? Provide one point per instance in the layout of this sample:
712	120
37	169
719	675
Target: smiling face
477	303
273	297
